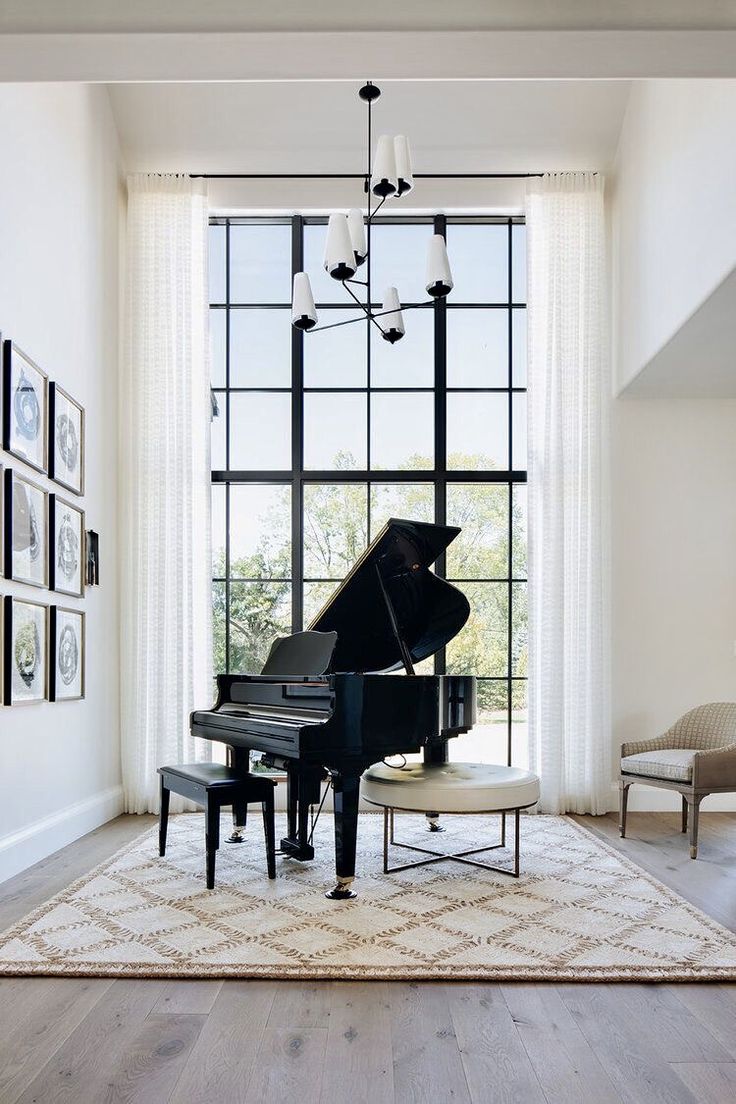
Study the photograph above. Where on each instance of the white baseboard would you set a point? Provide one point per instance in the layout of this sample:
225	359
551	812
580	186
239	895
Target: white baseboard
651	799
21	849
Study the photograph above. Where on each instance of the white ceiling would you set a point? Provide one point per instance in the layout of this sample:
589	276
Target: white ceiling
49	16
454	126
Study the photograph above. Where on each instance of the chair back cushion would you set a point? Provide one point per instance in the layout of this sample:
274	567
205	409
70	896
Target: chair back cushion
703	728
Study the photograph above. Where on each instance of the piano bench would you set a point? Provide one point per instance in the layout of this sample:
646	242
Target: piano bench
450	788
215	786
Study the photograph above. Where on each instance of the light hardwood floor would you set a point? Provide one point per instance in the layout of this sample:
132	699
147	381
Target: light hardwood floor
191	1042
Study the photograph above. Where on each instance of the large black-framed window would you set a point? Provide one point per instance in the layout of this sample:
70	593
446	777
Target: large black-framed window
319	438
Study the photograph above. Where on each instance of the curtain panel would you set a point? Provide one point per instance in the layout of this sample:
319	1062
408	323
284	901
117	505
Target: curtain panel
165	475
568	495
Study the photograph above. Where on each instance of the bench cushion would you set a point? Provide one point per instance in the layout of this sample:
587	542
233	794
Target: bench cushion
669	764
450	787
214	775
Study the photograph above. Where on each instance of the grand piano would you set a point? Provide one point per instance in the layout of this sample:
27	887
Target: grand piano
327	705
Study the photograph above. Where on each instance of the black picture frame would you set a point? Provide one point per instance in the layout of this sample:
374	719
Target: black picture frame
29	411
57	616
11	478
59	404
59	510
11	605
93	558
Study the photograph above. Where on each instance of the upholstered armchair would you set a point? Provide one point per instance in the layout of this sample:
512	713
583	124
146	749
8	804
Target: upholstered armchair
696	757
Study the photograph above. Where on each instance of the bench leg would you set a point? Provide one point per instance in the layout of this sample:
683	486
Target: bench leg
694	811
212	837
684	813
623	790
270	832
163	818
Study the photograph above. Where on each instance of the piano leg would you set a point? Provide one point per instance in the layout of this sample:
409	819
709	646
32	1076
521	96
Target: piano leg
239	760
346	791
435	754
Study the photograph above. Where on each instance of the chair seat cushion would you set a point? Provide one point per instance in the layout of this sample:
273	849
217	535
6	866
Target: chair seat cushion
214	775
669	764
450	787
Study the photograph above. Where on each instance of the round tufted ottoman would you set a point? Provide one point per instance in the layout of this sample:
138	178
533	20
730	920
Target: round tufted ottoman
450	788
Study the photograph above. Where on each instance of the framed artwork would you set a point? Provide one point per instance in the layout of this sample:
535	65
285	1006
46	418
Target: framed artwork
25	651
93	558
24	407
67	658
66	440
25	530
66	547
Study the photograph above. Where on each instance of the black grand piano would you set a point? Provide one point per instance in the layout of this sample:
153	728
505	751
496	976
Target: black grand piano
326	705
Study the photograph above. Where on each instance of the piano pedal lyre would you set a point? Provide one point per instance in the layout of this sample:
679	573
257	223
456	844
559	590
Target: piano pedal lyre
341	891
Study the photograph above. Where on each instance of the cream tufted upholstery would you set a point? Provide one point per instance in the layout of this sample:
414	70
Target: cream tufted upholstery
450	787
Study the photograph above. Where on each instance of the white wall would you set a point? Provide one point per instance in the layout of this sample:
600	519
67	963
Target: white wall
674	567
674	211
59	218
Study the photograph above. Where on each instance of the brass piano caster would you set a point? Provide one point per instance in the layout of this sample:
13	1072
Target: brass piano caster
433	822
236	836
341	891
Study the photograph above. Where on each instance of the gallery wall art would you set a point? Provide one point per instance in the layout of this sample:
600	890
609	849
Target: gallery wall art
66	440
25	651
67	658
66	552
24	407
25	530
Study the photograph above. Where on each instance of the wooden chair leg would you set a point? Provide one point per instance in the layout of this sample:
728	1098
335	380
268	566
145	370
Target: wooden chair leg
163	818
694	812
684	813
623	788
268	827
212	837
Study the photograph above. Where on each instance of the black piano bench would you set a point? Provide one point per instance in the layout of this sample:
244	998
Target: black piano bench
214	786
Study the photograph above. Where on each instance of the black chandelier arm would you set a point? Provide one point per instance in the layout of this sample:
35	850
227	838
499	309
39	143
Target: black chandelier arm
366	309
372	214
371	315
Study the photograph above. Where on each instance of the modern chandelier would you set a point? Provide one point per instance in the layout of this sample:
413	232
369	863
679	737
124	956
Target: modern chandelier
348	243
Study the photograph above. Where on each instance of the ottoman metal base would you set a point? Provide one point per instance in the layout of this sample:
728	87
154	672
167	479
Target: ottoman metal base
457	856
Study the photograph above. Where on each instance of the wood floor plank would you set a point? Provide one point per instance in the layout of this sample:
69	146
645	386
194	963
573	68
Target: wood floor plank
359	1056
677	1034
82	1068
427	1062
301	1004
565	1064
188	997
497	1067
715	1007
709	1082
288	1066
221	1061
37	1015
624	1045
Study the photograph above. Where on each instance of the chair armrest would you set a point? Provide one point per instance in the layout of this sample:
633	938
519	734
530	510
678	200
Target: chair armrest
716	767
635	747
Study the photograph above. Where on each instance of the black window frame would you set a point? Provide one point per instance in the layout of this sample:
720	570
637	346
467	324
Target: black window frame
297	477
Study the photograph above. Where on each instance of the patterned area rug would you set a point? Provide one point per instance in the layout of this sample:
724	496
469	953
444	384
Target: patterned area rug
579	911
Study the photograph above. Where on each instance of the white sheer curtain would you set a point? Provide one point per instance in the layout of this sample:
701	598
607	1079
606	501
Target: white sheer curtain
165	492
569	678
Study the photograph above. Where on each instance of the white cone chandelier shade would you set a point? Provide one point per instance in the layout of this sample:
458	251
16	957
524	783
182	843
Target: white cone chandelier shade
383	180
303	312
402	157
357	234
392	324
439	277
339	254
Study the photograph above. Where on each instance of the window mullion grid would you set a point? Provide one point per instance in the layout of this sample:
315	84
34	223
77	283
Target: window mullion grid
510	612
440	429
297	440
227	445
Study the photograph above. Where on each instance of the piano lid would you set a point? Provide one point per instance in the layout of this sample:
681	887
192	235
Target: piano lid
392	582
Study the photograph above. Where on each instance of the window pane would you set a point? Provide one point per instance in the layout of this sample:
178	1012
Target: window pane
260	431
217	433
218	320
324	288
398	259
518	323
335	431
480	648
315	596
519	725
260	264
400	500
410	362
216	273
519	630
260	348
402	430
487	740
259	612
477	348
336	358
518	557
518	459
260	528
482	548
479	263
218	530
218	628
477	431
335	528
518	263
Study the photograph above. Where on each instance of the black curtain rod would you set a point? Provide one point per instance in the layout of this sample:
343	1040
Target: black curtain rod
360	176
